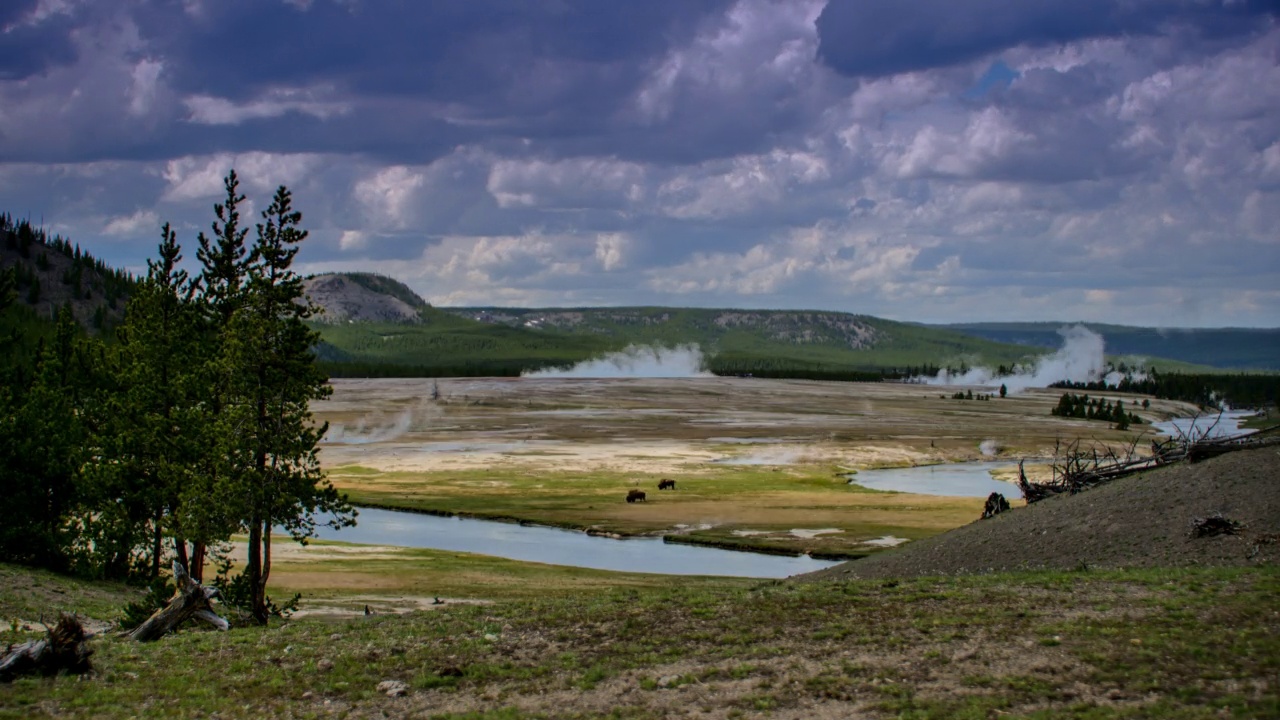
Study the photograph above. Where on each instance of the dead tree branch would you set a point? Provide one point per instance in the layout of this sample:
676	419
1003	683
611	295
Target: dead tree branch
190	601
64	649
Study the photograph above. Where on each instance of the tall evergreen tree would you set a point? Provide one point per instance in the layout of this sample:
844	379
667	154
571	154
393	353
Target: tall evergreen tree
224	255
225	267
8	283
271	371
159	405
43	449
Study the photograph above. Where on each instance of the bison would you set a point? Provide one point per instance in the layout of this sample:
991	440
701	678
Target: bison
666	484
996	504
635	495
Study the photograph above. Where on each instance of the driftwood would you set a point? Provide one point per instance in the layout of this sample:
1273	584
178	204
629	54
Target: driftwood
190	601
62	650
1076	470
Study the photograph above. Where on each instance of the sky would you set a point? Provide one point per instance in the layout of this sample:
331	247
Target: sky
922	160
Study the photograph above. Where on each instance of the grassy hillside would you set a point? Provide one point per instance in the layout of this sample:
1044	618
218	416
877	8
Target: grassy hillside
1191	643
498	340
445	344
1223	348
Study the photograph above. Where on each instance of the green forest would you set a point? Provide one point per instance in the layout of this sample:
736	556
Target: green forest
186	425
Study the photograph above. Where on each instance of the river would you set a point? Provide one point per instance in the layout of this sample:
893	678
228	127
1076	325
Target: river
532	543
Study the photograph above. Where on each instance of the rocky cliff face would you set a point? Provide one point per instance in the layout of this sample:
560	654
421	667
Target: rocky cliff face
344	298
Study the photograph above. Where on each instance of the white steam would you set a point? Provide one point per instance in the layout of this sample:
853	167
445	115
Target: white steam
989	448
370	430
1080	359
636	361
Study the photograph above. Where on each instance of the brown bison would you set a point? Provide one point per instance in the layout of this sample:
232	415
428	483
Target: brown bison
666	484
635	495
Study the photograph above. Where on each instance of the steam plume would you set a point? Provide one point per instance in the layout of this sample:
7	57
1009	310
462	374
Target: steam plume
1081	359
638	361
370	430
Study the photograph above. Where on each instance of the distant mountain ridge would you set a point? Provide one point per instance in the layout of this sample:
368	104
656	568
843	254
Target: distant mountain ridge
1225	348
373	321
793	327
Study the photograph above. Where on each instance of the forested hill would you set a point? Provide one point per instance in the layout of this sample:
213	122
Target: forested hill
1226	348
48	273
507	341
753	336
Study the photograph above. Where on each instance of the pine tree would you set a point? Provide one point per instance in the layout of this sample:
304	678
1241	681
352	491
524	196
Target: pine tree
160	405
43	449
223	257
272	376
8	283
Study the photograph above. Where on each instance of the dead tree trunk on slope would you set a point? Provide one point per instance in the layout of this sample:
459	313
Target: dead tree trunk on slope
190	601
63	650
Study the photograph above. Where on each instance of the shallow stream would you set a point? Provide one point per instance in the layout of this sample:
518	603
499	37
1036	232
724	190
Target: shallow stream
531	543
969	479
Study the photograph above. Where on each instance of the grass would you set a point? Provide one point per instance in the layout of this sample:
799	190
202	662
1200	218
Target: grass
1150	643
566	452
389	576
718	503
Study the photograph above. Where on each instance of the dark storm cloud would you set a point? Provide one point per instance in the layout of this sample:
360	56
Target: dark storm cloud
873	38
450	50
30	45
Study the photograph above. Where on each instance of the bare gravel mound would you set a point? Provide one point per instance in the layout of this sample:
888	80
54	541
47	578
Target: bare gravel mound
1140	521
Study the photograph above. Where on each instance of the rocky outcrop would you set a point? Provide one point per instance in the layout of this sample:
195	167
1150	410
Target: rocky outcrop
343	298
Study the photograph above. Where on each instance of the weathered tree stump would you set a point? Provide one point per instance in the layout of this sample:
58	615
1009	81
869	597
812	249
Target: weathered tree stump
1213	525
190	601
63	650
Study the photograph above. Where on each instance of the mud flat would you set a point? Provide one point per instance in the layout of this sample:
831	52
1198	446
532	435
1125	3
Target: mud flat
746	454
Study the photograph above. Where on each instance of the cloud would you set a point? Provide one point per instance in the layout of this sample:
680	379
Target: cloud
390	194
201	177
873	38
1113	161
139	223
208	110
571	183
34	37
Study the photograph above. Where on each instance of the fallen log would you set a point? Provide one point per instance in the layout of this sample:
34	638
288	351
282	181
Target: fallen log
190	601
62	650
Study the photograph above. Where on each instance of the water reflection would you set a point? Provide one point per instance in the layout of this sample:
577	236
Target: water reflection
1208	426
563	547
971	479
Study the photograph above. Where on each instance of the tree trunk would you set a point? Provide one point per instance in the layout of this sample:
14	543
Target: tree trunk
157	544
64	649
257	603
180	550
191	600
197	561
266	556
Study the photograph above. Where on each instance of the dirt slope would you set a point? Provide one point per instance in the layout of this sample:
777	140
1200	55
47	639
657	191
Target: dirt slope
1139	521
